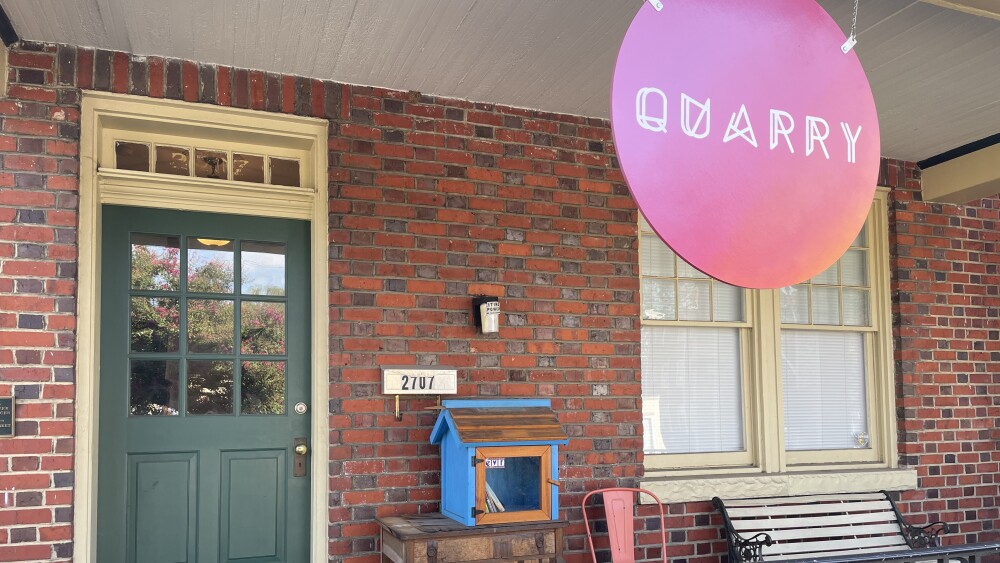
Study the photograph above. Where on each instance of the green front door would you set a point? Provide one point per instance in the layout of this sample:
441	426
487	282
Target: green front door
204	379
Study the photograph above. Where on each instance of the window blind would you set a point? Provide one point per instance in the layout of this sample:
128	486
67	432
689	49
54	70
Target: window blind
823	379
691	390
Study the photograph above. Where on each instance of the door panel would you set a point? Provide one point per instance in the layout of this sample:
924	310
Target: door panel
163	493
253	501
204	350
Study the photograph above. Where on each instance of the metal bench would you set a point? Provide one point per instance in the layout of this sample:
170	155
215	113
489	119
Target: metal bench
844	528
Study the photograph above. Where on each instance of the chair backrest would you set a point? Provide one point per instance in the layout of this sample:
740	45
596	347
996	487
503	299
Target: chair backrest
619	504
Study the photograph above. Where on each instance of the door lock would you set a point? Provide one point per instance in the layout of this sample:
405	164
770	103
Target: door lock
299	461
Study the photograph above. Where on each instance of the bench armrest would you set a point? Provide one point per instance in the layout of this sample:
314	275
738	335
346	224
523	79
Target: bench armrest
747	550
742	550
925	536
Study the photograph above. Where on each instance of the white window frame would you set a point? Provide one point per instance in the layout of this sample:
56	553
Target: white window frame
766	467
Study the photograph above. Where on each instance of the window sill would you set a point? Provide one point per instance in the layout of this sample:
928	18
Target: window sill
694	489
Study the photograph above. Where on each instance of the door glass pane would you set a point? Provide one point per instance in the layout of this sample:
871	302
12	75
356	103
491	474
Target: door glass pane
156	262
154	387
209	387
210	265
173	160
131	156
154	324
248	168
823	381
692	398
211	164
263	327
284	172
513	484
262	388
693	300
210	326
262	268
659	300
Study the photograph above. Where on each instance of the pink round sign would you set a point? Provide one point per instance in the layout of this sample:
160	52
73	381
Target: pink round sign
748	138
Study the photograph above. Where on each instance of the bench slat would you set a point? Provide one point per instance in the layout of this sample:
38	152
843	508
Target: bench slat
817	546
825	508
834	553
802	499
848	532
765	524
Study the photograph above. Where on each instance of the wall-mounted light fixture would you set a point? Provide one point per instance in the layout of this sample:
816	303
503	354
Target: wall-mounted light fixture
486	313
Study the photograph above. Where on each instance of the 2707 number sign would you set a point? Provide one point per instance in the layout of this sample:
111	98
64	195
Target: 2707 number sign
419	381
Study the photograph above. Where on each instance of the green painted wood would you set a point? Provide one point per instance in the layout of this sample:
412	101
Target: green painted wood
253	497
185	487
163	494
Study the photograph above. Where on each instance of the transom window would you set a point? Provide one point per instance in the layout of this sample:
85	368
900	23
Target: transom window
766	380
241	166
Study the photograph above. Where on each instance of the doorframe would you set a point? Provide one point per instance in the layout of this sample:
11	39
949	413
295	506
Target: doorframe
105	114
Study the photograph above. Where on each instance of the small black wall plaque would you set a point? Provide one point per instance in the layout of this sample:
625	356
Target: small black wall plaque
6	416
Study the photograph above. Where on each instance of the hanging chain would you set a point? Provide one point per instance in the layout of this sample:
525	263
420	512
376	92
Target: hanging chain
854	24
852	39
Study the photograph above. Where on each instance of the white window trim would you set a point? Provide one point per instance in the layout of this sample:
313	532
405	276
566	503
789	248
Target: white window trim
695	477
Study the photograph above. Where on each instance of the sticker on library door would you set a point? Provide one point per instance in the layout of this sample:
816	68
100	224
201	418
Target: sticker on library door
748	138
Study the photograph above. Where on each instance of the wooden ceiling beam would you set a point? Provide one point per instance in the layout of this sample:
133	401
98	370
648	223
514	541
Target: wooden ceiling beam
983	8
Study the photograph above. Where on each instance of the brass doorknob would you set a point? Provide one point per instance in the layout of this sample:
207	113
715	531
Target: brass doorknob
301	449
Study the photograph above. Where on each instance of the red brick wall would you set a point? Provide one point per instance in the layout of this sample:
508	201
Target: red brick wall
946	308
432	201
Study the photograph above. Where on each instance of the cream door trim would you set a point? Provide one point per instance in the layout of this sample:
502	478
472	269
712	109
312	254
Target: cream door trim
3	71
104	114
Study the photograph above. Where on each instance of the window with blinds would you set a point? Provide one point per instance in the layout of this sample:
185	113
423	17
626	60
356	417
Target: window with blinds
814	356
693	335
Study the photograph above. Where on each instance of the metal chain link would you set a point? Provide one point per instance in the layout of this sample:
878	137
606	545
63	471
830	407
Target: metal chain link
854	24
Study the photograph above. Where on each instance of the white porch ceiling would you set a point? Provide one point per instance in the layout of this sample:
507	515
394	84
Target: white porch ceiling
935	71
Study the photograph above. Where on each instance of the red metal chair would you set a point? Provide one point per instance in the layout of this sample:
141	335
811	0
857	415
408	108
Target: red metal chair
619	504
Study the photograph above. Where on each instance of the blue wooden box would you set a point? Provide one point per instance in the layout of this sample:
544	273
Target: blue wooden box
499	460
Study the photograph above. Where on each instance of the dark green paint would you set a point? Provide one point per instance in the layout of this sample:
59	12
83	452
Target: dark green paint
199	488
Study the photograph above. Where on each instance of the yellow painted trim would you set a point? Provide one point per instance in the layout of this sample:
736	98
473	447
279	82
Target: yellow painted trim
103	114
963	179
696	489
764	417
145	189
3	72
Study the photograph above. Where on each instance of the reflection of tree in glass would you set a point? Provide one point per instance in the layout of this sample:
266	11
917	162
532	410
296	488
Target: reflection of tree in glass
210	387
156	267
153	387
155	324
262	389
210	271
155	328
210	326
262	328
